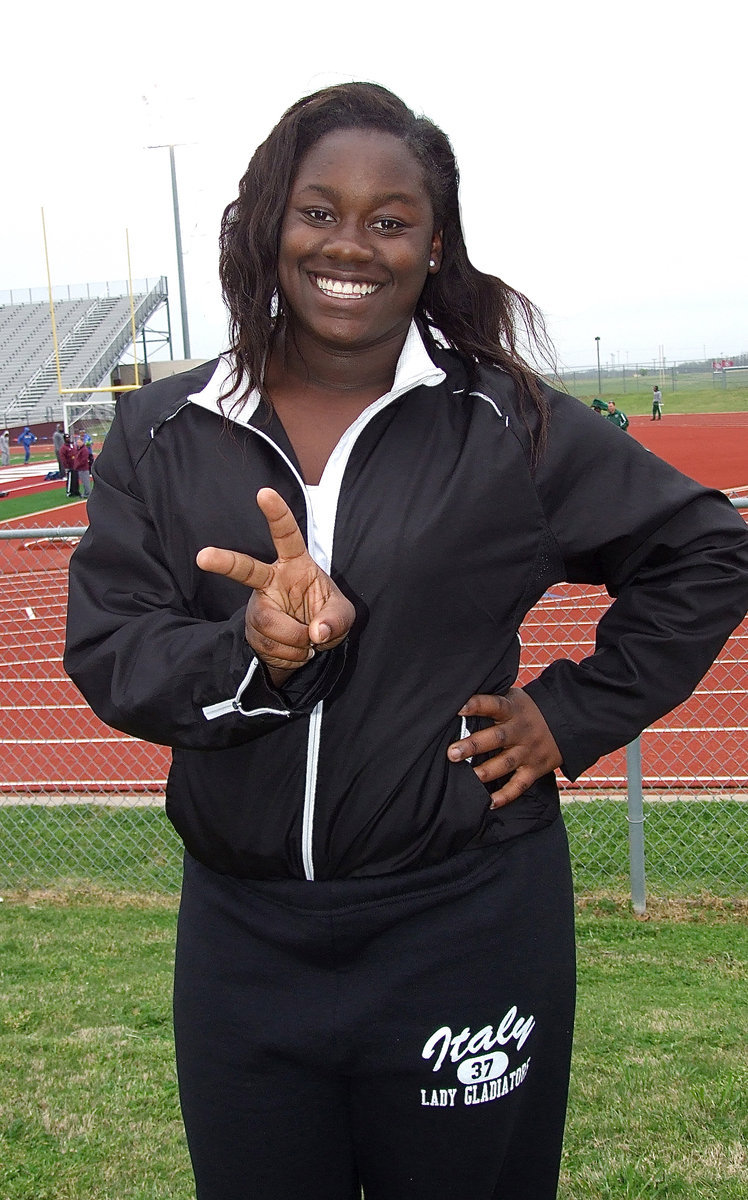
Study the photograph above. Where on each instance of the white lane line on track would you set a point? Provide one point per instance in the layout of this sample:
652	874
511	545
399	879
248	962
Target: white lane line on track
53	615
31	662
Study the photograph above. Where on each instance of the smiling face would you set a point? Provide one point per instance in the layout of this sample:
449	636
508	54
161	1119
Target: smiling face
356	240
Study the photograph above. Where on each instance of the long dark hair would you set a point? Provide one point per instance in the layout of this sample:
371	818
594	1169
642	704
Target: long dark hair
476	314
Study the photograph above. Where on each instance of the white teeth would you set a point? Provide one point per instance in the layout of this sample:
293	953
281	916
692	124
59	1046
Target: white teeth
336	287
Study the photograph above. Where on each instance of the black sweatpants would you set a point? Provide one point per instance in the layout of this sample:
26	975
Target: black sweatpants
409	1035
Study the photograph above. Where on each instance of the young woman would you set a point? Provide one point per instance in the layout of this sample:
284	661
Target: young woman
375	971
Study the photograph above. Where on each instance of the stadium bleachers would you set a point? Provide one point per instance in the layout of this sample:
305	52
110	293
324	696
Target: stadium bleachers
93	332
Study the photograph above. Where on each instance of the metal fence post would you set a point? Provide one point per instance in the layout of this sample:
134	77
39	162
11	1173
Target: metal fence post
37	534
636	826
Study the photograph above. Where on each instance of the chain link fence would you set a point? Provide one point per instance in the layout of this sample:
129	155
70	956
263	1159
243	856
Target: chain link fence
82	805
693	778
614	376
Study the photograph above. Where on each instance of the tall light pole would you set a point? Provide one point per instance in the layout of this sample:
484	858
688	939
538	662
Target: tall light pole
599	376
178	238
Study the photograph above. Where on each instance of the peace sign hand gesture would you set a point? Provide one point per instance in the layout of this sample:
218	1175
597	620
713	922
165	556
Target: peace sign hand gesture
295	608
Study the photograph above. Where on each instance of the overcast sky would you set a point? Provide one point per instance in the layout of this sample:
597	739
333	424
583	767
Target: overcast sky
602	147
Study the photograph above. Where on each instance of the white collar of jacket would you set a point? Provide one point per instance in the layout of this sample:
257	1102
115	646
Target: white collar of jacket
414	369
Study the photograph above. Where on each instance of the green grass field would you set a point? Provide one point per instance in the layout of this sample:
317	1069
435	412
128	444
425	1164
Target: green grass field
659	1096
693	393
41	452
25	506
88	1098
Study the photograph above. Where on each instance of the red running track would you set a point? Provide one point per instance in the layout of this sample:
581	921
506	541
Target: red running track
703	743
52	740
710	447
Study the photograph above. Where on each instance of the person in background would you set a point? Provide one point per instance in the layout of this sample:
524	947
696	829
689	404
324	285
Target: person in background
83	464
58	441
616	415
374	983
656	403
599	407
5	448
67	457
26	439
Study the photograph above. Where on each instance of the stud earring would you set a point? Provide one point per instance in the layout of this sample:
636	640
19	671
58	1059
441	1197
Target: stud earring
432	262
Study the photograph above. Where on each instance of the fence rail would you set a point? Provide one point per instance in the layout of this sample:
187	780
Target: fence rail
81	804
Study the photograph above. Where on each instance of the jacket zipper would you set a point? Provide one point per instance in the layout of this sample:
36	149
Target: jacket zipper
310	789
315	717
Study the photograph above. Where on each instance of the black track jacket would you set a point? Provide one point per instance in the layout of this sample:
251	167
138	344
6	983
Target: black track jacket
444	537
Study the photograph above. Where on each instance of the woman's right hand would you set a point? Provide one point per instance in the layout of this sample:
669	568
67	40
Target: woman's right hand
295	608
524	745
